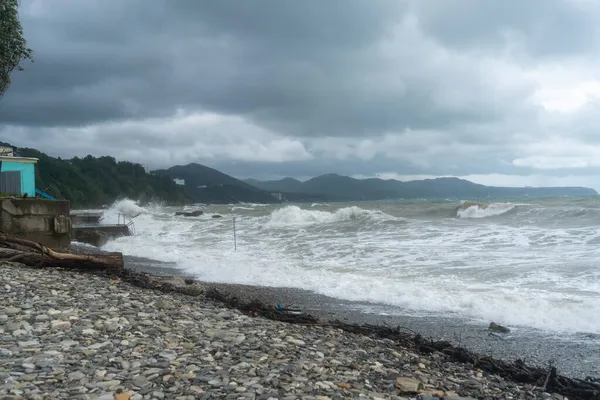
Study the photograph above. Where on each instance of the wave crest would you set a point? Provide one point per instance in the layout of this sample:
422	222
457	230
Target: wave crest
470	209
294	216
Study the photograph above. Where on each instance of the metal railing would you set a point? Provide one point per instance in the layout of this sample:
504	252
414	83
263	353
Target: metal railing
125	220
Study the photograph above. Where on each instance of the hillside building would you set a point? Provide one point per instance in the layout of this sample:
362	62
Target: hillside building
17	175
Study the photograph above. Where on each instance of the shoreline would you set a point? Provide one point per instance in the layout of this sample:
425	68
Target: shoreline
574	359
533	347
373	363
253	299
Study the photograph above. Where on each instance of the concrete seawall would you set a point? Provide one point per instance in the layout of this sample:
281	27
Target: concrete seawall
98	235
39	220
85	218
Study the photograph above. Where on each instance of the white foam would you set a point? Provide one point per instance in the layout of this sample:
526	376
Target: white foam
126	207
81	244
296	216
242	208
518	276
483	210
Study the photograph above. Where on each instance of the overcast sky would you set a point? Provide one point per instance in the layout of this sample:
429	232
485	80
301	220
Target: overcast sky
500	92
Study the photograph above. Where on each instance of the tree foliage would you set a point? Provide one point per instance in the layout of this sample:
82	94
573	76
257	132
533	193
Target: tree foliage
98	181
208	185
13	46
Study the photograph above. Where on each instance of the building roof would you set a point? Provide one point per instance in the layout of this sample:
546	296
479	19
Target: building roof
18	159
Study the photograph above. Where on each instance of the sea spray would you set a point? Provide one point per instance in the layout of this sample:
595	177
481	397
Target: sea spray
126	207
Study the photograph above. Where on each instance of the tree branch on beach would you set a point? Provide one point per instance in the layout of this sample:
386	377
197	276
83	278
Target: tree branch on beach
36	255
13	46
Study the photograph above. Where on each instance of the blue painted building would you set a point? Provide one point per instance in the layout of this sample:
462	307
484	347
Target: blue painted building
17	175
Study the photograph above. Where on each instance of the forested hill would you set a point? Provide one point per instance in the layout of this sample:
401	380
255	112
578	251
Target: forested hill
99	181
208	185
93	182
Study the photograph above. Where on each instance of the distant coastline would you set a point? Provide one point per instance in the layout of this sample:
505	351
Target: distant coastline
97	181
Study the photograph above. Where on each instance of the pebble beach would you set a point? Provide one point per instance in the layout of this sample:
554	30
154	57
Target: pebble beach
71	335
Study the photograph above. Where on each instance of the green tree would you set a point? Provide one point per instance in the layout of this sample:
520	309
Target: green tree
13	46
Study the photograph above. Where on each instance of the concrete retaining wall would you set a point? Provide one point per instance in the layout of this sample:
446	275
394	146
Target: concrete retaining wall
100	234
83	218
40	220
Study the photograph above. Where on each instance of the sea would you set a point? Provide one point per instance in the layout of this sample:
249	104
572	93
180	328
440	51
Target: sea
532	265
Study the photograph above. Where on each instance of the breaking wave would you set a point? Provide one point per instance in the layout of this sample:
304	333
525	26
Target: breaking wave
469	209
125	207
296	216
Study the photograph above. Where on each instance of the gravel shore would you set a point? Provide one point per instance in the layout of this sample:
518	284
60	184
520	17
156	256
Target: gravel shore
70	335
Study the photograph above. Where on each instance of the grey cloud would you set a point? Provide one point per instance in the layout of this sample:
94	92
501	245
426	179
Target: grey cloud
547	28
150	145
301	68
358	167
296	28
352	166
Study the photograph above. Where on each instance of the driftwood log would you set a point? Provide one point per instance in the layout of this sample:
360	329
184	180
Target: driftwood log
37	255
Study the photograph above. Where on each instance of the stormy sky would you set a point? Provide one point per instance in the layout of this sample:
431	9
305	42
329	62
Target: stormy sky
499	92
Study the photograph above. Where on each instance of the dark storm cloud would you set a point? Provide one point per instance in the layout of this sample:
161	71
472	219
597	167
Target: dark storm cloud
305	68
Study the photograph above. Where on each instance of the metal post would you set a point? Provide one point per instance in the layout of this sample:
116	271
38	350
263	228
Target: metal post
234	236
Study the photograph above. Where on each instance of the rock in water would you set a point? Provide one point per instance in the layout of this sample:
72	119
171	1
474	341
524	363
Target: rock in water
494	327
195	213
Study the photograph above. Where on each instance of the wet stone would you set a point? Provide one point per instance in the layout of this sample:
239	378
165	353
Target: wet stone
69	335
11	311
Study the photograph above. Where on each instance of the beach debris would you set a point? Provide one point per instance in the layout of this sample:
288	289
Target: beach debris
497	328
176	284
15	249
517	371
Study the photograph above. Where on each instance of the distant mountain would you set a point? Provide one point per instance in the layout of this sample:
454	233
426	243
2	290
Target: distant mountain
96	181
338	187
207	185
285	185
